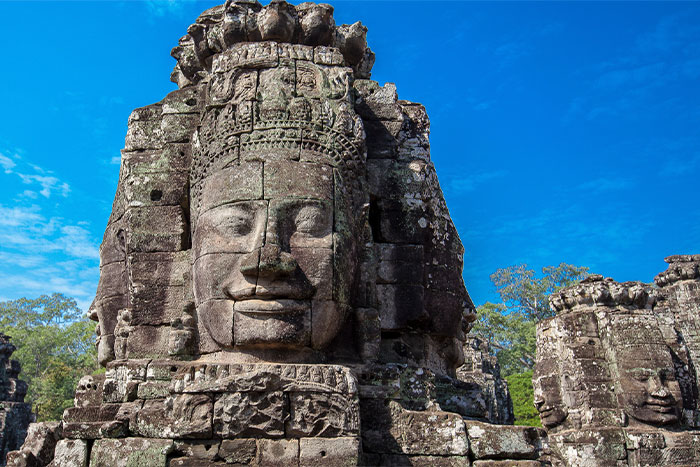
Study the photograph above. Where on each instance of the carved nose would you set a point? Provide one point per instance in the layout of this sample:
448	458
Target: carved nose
272	263
657	388
538	402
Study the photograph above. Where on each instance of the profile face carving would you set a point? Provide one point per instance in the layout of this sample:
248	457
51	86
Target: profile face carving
549	401
275	238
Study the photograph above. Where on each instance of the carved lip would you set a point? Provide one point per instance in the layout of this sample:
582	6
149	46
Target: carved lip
660	406
271	307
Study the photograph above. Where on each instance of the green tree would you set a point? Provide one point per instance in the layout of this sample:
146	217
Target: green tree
521	392
528	295
511	336
55	346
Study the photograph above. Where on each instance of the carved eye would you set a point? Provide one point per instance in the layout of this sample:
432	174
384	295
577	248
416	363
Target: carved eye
311	220
641	375
236	222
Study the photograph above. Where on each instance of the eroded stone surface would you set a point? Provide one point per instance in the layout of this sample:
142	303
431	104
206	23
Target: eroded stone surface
280	278
614	380
15	414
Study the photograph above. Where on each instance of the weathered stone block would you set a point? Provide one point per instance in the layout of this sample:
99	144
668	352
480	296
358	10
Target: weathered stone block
178	128
250	414
322	415
390	429
503	442
508	463
286	179
148	342
71	453
203	449
398	460
331	452
190	462
184	101
156	189
144	135
401	306
238	451
400	222
278	452
130	452
328	56
240	182
157	228
400	264
183	416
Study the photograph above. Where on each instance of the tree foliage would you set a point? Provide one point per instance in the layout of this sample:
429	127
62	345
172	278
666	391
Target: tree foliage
509	326
511	335
528	295
55	346
522	394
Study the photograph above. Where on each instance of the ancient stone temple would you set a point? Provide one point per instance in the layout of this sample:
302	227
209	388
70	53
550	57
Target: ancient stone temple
280	279
15	414
615	379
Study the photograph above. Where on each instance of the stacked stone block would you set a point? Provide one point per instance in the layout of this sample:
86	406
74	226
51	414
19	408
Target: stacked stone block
622	389
280	279
15	414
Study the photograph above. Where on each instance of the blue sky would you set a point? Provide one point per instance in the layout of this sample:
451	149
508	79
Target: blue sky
560	131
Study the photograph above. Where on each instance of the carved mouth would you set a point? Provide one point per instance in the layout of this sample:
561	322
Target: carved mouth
661	406
271	307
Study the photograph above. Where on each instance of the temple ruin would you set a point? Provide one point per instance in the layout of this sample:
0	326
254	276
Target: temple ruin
615	379
281	284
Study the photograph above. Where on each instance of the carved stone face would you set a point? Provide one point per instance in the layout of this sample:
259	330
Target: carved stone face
267	250
111	293
548	400
650	391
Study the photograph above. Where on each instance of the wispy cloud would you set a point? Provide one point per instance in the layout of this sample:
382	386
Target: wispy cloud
473	181
49	184
677	166
24	228
166	7
31	174
6	163
605	184
636	81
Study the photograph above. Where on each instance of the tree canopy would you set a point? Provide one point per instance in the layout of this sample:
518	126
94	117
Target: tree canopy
55	346
528	295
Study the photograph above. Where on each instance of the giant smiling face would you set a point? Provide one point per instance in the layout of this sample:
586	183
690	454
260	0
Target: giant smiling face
273	263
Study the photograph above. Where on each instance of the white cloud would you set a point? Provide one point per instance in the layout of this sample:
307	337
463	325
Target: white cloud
30	232
19	216
48	184
6	163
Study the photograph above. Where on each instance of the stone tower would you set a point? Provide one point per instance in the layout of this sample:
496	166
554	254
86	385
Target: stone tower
280	279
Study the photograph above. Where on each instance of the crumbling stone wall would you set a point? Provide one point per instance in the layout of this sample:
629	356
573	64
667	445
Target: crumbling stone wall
15	414
481	368
614	380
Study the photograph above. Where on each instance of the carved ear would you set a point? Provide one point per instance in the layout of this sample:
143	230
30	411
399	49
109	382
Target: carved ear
121	241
